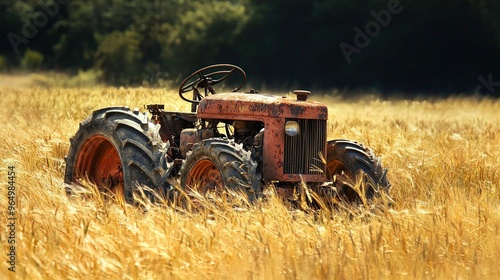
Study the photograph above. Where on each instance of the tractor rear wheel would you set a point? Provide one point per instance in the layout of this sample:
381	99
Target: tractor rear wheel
117	150
217	165
350	163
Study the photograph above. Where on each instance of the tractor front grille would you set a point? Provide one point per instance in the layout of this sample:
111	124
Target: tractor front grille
302	152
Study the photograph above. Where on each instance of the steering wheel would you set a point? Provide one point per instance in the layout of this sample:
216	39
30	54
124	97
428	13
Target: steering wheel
207	77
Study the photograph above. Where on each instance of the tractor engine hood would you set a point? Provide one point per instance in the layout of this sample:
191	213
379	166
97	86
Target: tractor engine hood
248	106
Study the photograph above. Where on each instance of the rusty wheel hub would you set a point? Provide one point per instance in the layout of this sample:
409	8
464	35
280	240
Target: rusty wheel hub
206	176
99	162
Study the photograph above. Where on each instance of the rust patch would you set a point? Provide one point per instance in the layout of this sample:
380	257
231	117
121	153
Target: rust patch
297	111
323	114
260	107
189	136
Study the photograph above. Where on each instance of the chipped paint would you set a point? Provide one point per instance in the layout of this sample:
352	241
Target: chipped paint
246	106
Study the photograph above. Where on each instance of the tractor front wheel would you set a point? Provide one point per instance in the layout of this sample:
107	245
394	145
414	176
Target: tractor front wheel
217	165
355	170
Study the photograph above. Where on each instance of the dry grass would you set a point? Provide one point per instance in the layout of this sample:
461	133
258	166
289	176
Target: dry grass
443	156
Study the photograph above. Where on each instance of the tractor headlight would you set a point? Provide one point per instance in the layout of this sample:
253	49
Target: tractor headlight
292	128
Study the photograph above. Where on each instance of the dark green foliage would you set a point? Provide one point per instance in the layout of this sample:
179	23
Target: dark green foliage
118	57
3	63
436	46
31	60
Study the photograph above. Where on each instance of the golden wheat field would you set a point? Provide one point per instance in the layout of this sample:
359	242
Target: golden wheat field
443	158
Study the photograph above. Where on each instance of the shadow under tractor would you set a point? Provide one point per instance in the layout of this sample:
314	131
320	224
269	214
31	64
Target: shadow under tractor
235	141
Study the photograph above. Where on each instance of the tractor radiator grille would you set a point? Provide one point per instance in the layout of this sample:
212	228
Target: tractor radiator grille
302	151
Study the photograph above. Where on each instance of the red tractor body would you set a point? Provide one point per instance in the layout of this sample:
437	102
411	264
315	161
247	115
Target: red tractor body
285	158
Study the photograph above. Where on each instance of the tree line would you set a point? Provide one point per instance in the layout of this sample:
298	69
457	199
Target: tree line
425	46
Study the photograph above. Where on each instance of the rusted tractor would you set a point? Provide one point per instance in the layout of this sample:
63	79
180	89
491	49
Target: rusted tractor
239	141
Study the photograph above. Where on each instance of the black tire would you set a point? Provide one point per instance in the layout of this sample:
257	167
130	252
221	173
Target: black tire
116	148
218	165
346	160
